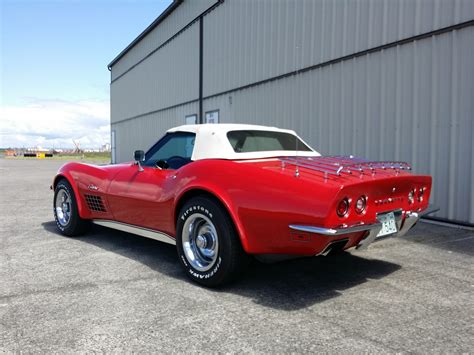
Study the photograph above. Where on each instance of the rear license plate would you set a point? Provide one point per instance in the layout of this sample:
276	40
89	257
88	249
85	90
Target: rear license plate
388	224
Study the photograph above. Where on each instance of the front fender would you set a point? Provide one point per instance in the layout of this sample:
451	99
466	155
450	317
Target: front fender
65	174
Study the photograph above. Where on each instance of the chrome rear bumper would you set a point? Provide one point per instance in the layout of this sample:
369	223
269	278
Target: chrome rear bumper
336	231
374	228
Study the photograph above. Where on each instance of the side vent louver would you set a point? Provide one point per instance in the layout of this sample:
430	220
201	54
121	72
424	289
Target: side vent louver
95	203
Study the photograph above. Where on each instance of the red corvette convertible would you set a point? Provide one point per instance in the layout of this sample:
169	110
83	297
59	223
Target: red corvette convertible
223	192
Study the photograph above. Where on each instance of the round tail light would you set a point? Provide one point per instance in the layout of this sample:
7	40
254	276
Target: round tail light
411	197
361	204
421	192
343	207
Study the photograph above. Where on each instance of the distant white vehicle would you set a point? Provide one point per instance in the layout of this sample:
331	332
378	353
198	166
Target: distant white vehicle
38	149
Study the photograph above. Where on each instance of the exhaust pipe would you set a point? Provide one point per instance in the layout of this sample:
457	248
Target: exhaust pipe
336	245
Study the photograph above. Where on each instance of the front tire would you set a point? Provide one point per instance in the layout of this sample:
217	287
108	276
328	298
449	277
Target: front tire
66	213
208	245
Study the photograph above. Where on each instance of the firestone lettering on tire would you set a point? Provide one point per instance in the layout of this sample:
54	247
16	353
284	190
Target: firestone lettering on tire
195	208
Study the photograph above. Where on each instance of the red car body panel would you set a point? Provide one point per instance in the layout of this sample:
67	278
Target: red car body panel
262	196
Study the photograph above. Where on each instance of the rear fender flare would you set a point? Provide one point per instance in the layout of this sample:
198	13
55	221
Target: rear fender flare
225	201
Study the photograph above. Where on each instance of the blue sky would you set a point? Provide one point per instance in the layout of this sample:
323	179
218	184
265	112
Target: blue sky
54	57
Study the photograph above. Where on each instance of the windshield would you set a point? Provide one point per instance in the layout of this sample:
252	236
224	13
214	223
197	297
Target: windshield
263	141
175	149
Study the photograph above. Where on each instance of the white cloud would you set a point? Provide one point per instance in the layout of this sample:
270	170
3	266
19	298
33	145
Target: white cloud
55	123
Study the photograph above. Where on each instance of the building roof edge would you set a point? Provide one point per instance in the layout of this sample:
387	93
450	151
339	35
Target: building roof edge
147	30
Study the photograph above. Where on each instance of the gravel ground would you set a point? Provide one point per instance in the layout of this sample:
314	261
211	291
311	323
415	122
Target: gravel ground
111	291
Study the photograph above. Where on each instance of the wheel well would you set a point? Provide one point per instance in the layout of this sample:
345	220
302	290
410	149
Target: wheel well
57	179
79	200
195	193
204	193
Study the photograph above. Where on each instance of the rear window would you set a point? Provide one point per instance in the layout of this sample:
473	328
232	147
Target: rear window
264	141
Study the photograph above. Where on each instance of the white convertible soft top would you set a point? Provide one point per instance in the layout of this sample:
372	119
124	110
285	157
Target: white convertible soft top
212	142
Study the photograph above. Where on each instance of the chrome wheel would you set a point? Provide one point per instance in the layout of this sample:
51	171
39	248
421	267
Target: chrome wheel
200	242
62	207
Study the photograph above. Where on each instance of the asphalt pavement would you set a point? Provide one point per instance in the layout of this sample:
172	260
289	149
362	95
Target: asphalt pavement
110	291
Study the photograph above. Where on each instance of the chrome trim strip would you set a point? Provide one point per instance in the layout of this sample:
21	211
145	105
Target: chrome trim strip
410	219
364	243
337	231
144	232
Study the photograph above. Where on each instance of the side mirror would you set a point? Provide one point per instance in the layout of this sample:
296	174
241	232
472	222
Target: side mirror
139	156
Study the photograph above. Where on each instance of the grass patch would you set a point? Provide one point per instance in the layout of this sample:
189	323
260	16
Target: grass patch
92	157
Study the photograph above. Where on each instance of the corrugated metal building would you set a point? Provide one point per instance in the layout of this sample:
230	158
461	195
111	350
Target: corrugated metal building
382	79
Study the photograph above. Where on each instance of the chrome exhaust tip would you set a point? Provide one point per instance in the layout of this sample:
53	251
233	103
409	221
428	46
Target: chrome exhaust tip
334	246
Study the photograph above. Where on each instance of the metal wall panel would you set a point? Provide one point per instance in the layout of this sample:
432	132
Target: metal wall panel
412	102
142	133
246	41
169	77
184	14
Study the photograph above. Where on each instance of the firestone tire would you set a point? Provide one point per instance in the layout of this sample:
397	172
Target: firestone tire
65	210
208	245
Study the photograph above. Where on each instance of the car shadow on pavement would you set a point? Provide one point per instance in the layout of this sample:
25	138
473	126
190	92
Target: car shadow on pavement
299	283
288	285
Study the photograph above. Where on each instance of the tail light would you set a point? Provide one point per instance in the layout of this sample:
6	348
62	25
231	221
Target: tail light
421	192
361	204
411	197
343	207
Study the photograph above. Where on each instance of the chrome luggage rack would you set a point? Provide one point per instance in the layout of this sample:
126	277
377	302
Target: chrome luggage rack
339	165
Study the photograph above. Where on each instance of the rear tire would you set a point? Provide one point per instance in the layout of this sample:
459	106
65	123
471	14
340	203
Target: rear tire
66	213
208	245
